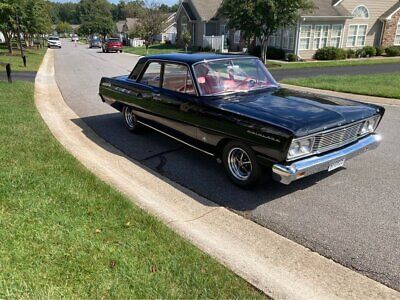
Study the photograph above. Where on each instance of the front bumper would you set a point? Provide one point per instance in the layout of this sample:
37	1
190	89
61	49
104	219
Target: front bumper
286	174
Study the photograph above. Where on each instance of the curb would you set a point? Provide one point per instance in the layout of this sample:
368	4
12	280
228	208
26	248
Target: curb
356	97
270	262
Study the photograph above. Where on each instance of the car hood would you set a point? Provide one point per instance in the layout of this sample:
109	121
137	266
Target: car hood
301	113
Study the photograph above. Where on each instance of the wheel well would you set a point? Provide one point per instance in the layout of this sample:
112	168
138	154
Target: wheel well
220	146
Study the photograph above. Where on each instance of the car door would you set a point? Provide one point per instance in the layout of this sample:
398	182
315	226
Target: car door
177	100
142	92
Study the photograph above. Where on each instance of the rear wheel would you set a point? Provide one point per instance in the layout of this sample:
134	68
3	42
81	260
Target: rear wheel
241	165
130	119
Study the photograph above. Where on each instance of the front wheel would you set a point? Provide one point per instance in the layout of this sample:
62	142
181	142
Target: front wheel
241	165
130	120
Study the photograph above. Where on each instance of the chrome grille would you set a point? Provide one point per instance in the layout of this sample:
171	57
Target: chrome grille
337	138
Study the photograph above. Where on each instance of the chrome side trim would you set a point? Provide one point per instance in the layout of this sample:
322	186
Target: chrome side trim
286	174
171	136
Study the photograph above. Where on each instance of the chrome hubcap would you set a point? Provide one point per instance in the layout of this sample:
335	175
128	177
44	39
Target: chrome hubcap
130	117
239	164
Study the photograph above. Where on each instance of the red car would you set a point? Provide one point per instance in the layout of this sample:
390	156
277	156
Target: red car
112	45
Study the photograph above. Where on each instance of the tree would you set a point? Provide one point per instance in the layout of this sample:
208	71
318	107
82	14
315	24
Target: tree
133	9
186	38
151	22
65	12
261	18
95	17
6	21
33	18
64	28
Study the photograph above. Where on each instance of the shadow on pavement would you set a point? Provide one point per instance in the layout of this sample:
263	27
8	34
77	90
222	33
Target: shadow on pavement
185	166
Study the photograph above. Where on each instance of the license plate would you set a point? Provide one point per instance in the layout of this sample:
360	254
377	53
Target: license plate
336	165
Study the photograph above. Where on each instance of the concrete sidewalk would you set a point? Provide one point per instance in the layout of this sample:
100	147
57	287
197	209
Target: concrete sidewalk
276	265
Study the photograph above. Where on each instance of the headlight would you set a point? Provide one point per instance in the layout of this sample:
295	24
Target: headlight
369	125
300	147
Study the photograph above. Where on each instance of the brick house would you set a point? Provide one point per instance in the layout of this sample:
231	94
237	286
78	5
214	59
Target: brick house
349	24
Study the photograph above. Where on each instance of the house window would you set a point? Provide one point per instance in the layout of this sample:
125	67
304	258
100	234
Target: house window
292	38
397	38
336	35
184	24
361	12
321	35
236	37
272	40
288	39
278	39
356	35
305	37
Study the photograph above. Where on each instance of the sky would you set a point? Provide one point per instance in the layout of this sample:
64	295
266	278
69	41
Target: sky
169	2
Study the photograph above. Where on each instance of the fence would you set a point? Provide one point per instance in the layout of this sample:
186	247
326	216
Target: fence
137	43
216	43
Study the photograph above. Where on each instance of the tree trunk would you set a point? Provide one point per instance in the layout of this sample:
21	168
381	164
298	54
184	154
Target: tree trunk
264	50
8	41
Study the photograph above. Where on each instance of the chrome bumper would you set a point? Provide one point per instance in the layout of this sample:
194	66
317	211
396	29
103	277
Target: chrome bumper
286	174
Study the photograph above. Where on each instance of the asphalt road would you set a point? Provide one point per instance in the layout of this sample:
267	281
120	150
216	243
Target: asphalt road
351	216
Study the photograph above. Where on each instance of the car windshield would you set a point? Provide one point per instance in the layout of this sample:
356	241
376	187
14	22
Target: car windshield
53	38
113	40
226	76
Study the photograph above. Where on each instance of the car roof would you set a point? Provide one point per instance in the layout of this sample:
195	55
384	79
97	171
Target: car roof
193	58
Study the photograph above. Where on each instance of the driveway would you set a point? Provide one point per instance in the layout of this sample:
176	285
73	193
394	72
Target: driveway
341	70
351	216
19	76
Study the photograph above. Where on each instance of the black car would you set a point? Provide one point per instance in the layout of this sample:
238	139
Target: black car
230	107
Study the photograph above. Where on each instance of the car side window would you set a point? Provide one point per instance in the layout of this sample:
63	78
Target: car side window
152	75
177	78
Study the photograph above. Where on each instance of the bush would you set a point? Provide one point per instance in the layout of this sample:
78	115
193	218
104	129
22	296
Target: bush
379	51
367	51
393	51
361	53
292	57
370	51
275	53
350	53
255	51
330	53
272	53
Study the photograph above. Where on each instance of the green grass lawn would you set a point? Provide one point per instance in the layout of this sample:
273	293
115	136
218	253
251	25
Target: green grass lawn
381	85
66	234
316	64
154	49
33	59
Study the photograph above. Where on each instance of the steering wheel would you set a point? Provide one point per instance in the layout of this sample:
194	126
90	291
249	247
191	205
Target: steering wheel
244	81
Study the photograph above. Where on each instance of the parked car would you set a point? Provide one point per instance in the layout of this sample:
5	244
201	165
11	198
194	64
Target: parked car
53	41
230	107
95	42
112	44
74	38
